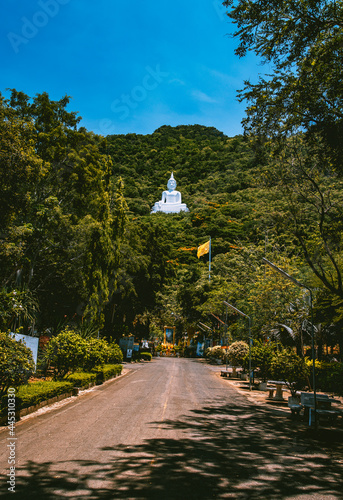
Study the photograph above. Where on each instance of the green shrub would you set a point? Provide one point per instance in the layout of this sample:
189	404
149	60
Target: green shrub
288	366
97	352
329	376
115	354
66	353
16	363
146	356
262	355
237	352
81	379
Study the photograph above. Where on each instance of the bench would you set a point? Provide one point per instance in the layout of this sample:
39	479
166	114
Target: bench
295	407
279	389
323	406
271	392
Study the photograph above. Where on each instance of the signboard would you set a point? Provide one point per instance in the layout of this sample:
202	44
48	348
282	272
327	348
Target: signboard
126	343
30	342
169	334
129	353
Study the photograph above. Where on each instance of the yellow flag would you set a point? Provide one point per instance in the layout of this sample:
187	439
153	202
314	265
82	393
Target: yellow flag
202	249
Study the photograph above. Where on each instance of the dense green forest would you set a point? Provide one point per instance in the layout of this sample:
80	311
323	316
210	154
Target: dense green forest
80	247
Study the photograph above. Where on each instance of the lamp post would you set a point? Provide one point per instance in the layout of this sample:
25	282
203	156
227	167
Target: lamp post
301	285
249	324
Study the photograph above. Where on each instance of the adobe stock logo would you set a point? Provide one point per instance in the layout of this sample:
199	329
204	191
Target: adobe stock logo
30	27
130	101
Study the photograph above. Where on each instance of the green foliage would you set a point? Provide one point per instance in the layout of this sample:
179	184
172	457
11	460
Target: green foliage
17	308
81	379
115	354
147	356
16	363
213	353
66	352
106	372
237	352
57	229
288	366
329	376
292	118
262	355
97	352
36	392
305	89
78	243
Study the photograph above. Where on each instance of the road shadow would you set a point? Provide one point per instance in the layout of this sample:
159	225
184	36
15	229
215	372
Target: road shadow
228	451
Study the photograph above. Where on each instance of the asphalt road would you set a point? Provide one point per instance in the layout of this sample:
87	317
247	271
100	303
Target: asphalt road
170	429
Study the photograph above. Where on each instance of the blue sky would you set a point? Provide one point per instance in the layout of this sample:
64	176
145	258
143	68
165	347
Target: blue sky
130	67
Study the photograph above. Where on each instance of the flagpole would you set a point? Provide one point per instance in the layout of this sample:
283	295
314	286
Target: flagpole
209	262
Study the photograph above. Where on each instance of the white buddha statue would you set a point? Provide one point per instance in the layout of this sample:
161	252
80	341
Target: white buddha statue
171	200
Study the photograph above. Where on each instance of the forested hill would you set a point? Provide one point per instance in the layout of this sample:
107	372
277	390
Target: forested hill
220	181
217	176
207	165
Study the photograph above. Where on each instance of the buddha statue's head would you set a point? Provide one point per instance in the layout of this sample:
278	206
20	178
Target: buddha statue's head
171	183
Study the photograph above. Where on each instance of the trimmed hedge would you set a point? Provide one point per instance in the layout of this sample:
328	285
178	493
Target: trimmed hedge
106	372
146	356
81	379
34	393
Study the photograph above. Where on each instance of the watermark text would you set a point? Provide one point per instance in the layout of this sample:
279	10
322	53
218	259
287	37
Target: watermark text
11	445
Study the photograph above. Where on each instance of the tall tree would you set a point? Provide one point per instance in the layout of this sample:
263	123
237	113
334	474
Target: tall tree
302	42
57	229
295	112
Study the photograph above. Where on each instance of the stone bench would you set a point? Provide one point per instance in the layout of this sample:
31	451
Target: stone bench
295	408
271	392
323	406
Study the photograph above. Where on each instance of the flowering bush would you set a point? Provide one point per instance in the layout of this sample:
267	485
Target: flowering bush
237	352
215	352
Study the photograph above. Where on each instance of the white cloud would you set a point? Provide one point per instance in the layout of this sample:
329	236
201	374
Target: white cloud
177	81
201	96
